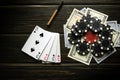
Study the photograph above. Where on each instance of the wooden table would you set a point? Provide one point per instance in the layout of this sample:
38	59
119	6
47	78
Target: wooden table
19	17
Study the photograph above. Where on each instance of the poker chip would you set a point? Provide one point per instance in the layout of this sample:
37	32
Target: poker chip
95	25
91	37
97	38
82	27
86	19
96	50
106	33
82	48
75	31
106	44
72	38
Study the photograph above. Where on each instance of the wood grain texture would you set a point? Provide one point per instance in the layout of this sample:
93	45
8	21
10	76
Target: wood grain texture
17	20
22	19
14	43
51	2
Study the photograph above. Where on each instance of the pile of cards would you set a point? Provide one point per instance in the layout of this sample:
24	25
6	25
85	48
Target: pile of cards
82	49
43	45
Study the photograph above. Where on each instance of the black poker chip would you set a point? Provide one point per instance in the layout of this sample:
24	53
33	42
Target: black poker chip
75	31
83	48
72	38
95	25
82	27
86	19
106	44
96	49
100	32
106	33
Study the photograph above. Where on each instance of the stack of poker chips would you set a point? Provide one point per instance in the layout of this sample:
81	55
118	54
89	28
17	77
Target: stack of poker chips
90	36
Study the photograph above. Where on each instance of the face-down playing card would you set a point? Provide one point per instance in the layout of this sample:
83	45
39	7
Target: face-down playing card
36	42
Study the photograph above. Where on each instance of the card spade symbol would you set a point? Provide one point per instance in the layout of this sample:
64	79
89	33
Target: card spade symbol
36	42
41	35
32	49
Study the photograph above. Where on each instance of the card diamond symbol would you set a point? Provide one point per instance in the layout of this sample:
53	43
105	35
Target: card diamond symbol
41	35
32	49
36	42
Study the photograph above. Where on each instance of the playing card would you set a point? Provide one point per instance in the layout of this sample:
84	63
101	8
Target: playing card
66	31
118	27
74	55
103	17
113	25
36	42
55	54
116	34
115	37
118	41
45	53
53	51
106	55
58	52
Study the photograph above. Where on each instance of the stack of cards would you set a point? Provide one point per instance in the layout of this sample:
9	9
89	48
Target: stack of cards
85	33
43	45
116	32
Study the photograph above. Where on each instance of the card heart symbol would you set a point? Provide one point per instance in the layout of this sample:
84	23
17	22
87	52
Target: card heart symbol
36	42
41	35
32	49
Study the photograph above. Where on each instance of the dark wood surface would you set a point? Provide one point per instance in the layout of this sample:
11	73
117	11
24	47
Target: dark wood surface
19	17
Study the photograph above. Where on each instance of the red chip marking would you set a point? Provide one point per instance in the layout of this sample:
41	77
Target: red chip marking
90	37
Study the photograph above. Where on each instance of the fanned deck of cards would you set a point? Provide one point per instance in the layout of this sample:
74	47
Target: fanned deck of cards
89	35
43	45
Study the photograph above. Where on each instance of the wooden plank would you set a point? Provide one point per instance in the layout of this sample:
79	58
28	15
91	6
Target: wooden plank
56	72
23	18
51	2
19	17
11	45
